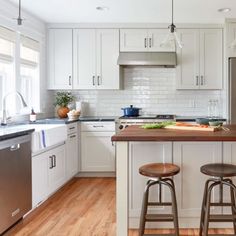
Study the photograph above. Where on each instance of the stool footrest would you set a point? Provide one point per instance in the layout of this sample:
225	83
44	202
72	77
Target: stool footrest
162	235
159	204
221	234
222	218
159	217
221	204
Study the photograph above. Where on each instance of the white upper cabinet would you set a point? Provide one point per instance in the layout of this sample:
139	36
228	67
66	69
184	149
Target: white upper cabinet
155	38
60	58
211	58
188	60
84	51
133	40
230	37
142	40
95	59
200	61
107	55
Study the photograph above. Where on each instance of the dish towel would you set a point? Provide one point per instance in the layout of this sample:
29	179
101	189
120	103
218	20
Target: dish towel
52	136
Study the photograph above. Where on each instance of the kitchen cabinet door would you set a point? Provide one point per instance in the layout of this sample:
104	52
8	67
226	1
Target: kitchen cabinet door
142	153
211	58
200	61
188	60
229	154
84	54
133	40
190	156
230	37
60	58
39	178
72	156
155	38
107	76
97	152
56	168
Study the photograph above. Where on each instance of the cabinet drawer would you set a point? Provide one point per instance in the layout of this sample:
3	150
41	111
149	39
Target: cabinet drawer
98	126
72	128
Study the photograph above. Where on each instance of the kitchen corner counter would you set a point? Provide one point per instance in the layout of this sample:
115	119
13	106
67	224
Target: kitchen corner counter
55	120
8	132
136	133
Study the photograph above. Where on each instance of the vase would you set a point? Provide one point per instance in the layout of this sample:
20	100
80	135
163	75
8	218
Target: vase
62	112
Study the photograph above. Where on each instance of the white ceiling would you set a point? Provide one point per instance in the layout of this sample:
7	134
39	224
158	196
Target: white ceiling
129	11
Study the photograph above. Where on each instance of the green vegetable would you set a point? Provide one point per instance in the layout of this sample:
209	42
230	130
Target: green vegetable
158	125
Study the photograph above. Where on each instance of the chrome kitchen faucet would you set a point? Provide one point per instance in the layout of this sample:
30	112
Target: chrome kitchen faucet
4	113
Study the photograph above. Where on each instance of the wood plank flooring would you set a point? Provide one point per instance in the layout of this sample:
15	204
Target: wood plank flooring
84	207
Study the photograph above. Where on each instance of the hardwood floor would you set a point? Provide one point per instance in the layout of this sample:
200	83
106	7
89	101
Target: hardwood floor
84	207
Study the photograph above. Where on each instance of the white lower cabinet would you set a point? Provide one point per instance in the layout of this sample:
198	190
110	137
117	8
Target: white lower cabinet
229	153
39	178
57	172
142	153
97	151
98	154
190	156
48	173
72	156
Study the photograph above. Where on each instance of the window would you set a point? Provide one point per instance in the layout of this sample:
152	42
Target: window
7	63
19	71
29	72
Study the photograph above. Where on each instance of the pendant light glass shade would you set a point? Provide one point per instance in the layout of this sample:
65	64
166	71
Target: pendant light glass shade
172	37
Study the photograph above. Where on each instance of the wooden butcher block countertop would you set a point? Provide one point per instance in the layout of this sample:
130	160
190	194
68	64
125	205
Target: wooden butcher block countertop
137	133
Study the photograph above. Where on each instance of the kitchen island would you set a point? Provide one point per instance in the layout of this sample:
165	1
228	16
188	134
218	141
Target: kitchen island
188	149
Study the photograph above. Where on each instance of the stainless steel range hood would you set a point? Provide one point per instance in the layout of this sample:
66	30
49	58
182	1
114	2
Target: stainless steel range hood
162	59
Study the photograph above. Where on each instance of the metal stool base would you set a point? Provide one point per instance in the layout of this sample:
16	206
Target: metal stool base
159	217
206	217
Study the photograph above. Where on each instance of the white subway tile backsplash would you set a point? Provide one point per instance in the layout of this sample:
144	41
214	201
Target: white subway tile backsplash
153	90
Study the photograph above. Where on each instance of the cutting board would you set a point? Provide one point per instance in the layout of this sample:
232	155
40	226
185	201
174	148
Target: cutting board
212	129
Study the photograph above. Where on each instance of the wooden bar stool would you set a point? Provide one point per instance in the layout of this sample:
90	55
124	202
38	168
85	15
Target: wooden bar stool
160	174
221	173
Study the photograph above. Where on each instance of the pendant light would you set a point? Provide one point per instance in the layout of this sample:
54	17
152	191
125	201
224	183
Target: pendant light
19	19
172	37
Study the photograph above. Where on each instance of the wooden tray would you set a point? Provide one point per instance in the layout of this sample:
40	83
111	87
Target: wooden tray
212	129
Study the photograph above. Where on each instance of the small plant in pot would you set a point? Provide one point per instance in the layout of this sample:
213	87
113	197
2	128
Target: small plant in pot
63	99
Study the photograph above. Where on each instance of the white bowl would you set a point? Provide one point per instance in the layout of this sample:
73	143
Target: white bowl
72	117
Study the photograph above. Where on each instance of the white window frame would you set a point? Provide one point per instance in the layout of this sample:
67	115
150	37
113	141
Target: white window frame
17	65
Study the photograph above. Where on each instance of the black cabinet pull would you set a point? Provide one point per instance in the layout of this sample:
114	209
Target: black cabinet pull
54	160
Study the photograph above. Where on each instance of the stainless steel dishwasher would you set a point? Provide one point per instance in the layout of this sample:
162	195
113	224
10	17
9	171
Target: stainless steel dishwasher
15	180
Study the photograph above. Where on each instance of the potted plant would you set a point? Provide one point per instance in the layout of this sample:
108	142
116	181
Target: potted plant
62	101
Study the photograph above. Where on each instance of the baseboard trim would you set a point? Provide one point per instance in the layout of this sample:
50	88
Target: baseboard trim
96	174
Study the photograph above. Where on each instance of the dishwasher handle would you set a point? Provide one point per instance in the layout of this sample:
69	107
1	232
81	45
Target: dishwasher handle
14	147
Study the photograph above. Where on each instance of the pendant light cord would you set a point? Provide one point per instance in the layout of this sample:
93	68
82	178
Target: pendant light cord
19	9
172	12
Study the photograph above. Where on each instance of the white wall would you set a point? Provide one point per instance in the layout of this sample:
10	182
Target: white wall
36	29
152	89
